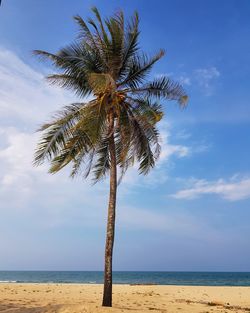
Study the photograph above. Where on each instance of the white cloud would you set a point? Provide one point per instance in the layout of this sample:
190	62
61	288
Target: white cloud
185	80
206	78
208	73
169	149
234	189
18	176
24	95
182	78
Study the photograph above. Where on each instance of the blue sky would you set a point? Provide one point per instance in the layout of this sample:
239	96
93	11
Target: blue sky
192	211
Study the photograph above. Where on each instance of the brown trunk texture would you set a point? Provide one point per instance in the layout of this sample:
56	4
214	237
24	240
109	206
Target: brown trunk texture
107	292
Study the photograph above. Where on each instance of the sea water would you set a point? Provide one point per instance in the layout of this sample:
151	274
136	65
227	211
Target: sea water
159	278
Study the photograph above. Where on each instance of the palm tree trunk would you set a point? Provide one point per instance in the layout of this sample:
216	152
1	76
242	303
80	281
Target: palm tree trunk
107	292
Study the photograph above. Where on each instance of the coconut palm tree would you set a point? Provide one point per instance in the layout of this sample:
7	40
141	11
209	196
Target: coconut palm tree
117	126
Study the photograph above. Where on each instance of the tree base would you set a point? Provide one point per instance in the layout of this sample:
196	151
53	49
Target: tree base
107	303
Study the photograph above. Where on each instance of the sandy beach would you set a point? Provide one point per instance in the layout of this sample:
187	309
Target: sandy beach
70	298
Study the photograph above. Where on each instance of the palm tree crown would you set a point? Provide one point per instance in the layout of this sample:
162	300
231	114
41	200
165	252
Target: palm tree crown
105	62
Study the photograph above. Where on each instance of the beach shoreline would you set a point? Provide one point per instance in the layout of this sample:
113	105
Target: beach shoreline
76	297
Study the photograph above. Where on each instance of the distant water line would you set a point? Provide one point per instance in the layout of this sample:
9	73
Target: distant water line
158	278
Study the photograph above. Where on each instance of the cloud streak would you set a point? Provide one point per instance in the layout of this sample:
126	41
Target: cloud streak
234	189
25	97
206	78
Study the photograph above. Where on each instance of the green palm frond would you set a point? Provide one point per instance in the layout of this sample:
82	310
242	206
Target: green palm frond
79	85
103	32
139	67
77	163
72	148
163	88
142	139
152	111
85	35
56	132
102	164
123	137
44	56
130	42
115	26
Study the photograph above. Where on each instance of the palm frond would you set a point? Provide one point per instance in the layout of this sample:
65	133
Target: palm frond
73	147
102	163
78	162
139	67
152	111
115	26
103	31
163	88
57	132
130	43
79	84
84	33
143	150
145	141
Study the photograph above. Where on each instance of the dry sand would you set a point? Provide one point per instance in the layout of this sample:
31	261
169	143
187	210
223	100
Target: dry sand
80	298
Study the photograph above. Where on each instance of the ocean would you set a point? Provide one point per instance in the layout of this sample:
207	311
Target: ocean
159	278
